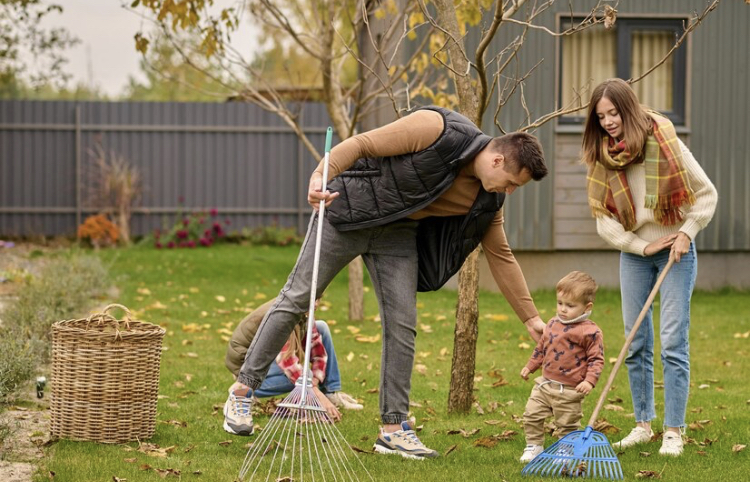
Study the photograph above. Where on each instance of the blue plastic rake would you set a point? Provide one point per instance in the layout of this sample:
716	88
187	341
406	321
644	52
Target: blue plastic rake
587	453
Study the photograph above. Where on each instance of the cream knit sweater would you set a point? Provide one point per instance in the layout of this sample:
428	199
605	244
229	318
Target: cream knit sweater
646	229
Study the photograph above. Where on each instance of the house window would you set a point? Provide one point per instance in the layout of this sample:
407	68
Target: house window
628	50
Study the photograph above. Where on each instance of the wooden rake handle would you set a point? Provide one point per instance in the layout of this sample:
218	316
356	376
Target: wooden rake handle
629	340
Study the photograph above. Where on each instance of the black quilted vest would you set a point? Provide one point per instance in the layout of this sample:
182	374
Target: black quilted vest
377	191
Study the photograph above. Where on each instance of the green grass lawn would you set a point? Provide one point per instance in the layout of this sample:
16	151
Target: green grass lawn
200	295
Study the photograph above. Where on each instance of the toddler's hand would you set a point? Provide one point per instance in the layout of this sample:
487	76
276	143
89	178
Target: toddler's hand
525	373
584	387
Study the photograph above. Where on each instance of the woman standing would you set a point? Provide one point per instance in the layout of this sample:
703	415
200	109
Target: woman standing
650	198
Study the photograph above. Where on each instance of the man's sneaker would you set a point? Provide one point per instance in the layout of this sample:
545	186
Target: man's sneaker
671	444
238	418
638	435
344	400
403	442
530	453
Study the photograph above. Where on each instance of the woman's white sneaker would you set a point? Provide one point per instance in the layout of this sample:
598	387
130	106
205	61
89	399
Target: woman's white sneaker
671	444
638	435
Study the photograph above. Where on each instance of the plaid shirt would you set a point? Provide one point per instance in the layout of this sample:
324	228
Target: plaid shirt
318	358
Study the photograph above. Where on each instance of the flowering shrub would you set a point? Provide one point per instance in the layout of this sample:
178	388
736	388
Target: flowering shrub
191	230
99	231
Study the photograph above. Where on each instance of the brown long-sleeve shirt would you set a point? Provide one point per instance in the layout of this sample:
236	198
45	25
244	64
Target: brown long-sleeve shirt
414	133
569	353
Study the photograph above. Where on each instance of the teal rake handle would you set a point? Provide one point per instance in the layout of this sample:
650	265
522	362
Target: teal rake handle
316	265
625	347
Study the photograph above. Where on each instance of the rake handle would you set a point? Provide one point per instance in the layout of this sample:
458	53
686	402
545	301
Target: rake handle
629	340
316	266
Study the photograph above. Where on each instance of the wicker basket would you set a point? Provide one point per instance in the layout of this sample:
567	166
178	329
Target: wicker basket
105	378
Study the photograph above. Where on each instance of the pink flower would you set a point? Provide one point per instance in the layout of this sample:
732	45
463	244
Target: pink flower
185	222
158	245
205	242
214	211
227	222
182	234
170	244
191	244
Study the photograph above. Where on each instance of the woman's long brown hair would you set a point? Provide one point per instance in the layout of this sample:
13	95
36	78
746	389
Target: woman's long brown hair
636	125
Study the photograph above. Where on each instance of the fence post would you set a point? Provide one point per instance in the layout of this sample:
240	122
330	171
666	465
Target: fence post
78	168
301	188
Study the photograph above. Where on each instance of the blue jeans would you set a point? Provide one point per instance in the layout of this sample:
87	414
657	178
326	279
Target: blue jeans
277	383
390	254
638	275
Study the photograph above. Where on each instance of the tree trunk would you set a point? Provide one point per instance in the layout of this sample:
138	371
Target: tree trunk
465	342
461	393
356	290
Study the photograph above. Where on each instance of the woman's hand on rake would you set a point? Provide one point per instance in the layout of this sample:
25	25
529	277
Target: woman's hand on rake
331	410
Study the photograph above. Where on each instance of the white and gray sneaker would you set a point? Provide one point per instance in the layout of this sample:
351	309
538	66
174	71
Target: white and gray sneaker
530	453
238	417
671	444
638	435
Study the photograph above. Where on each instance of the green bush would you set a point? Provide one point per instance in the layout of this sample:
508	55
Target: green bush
271	235
62	290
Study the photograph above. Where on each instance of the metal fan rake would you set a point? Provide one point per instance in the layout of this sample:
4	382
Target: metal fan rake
301	442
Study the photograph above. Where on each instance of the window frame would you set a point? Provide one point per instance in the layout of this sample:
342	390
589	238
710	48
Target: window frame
624	29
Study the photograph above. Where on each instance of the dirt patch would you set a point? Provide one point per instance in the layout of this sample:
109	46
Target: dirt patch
26	433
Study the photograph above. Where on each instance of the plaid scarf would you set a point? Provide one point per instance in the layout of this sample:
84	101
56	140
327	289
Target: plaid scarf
667	186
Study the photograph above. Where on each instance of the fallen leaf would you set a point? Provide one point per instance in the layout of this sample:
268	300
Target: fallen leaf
350	356
189	354
353	329
131	461
493	422
605	427
421	369
368	339
703	386
425	328
645	454
165	472
144	291
154	450
496	317
373	390
507	435
118	479
524	346
157	306
647	474
737	448
450	449
614	408
193	289
225	443
260	296
361	451
444	351
612	361
486	442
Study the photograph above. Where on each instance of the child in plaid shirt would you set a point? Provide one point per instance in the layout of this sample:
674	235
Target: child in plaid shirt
284	372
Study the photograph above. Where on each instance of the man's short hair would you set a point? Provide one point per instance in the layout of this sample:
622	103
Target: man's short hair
578	285
524	151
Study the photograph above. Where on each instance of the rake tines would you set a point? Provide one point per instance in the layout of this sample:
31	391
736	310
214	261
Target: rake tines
301	443
576	456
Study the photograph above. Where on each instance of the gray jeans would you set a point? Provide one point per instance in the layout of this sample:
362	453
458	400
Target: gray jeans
390	254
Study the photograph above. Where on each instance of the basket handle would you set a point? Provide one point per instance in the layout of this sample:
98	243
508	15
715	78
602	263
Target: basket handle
127	320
